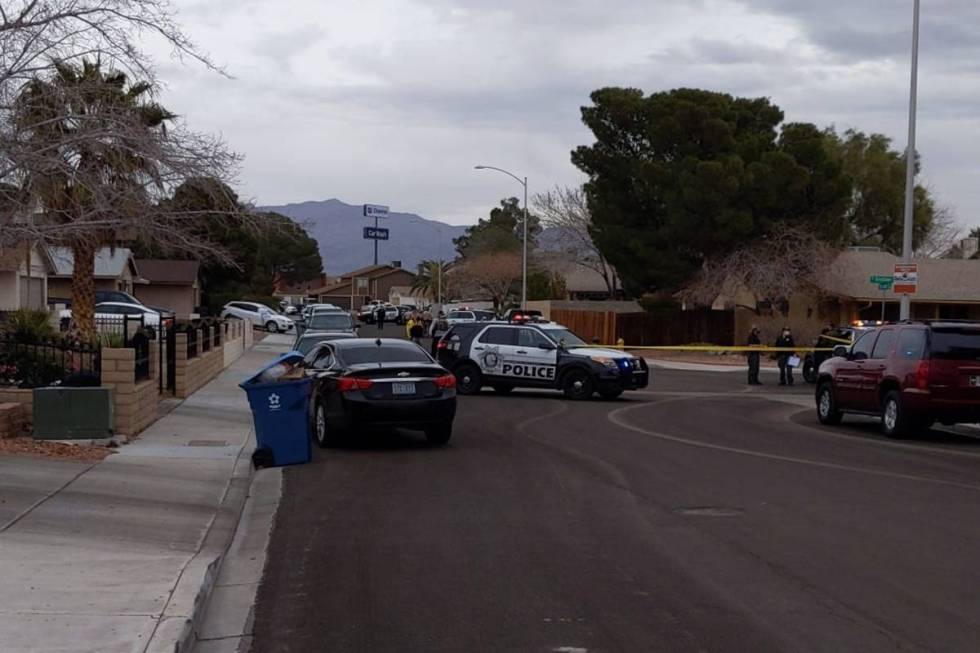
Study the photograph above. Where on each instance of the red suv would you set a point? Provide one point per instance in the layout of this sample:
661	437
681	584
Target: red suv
912	374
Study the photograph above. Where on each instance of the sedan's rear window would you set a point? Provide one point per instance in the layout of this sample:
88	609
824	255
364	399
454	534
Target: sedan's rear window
375	354
328	321
955	344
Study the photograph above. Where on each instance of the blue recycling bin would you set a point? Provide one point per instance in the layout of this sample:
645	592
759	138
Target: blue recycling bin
280	412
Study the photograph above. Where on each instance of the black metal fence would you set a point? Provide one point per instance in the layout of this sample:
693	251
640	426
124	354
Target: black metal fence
191	332
56	360
206	334
140	342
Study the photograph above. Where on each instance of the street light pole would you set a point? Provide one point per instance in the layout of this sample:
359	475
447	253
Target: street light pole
522	182
906	305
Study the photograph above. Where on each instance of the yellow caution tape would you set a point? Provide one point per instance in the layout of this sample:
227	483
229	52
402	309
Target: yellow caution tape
756	348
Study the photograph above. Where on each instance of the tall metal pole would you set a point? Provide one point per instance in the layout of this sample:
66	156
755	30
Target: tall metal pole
439	282
524	261
375	240
906	305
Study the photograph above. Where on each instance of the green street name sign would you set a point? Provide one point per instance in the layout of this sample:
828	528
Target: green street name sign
882	278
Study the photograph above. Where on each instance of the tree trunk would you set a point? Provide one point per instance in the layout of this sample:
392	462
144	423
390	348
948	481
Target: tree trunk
83	290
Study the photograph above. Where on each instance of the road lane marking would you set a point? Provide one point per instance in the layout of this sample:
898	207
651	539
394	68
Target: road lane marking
616	418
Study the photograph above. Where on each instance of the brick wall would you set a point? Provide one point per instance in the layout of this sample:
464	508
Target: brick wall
13	422
193	373
134	404
24	397
233	341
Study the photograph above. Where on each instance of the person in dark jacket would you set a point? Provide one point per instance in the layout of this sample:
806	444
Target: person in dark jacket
754	356
785	339
379	317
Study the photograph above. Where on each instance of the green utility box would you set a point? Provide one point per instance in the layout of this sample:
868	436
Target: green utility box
72	413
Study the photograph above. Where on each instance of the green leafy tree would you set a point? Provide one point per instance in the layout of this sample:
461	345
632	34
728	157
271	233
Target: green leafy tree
502	232
876	210
680	177
286	251
426	280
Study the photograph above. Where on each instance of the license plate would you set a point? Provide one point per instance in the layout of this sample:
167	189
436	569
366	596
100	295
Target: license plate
402	388
975	381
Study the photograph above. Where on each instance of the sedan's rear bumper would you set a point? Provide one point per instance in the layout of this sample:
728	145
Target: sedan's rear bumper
409	413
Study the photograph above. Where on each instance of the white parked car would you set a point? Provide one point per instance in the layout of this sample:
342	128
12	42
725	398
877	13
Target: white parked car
369	311
309	308
460	317
112	312
259	315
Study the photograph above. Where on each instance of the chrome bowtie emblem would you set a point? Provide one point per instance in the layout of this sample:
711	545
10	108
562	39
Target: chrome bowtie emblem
403	374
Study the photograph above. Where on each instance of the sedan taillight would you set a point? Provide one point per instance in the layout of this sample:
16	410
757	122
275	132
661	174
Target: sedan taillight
445	381
351	383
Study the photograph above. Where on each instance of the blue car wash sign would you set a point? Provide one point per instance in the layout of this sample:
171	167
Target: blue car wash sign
375	233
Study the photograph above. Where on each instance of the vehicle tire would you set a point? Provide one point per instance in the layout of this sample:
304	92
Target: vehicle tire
894	422
440	434
809	372
503	388
611	394
577	384
827	411
272	327
320	429
468	379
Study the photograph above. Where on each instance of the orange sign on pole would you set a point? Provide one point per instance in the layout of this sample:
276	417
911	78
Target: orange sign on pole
906	278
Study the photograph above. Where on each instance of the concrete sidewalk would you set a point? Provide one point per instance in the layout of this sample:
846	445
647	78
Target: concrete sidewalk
113	556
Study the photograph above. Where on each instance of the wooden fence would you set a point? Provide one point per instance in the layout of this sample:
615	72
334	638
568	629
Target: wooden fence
590	325
650	329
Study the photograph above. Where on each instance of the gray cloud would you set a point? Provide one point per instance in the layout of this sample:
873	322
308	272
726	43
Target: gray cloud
394	101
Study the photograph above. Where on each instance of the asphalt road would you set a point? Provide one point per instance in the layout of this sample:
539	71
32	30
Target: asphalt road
696	516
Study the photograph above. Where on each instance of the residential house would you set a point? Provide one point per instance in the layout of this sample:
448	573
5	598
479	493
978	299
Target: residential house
582	283
169	284
301	292
115	269
947	289
354	289
23	284
398	295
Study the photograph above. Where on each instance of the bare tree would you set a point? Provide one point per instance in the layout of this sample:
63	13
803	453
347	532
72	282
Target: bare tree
943	237
565	210
786	261
494	275
86	154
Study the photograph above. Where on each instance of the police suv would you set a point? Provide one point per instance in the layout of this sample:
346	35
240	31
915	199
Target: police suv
505	356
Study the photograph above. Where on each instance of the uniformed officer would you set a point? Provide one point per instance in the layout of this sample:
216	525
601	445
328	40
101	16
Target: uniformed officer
753	356
785	340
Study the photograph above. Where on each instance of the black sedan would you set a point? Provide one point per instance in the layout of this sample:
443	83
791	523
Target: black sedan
362	383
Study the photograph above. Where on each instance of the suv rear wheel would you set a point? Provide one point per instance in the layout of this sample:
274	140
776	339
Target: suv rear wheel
827	411
894	422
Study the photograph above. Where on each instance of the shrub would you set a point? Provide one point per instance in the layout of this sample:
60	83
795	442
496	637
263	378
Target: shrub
26	325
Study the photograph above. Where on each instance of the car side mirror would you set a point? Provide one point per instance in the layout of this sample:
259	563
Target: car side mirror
840	351
858	356
547	346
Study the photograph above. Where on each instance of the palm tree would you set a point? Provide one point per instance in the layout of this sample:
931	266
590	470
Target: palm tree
95	131
427	279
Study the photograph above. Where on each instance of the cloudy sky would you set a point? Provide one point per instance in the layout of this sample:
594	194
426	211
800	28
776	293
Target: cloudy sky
395	101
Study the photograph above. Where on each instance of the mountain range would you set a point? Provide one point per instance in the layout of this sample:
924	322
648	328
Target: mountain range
339	230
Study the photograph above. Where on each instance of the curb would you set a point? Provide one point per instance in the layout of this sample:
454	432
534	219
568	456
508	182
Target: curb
178	626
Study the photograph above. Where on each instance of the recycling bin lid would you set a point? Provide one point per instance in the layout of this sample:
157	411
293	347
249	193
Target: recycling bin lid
293	357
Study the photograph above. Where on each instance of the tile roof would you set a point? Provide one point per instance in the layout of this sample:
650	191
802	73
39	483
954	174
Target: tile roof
110	262
168	272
